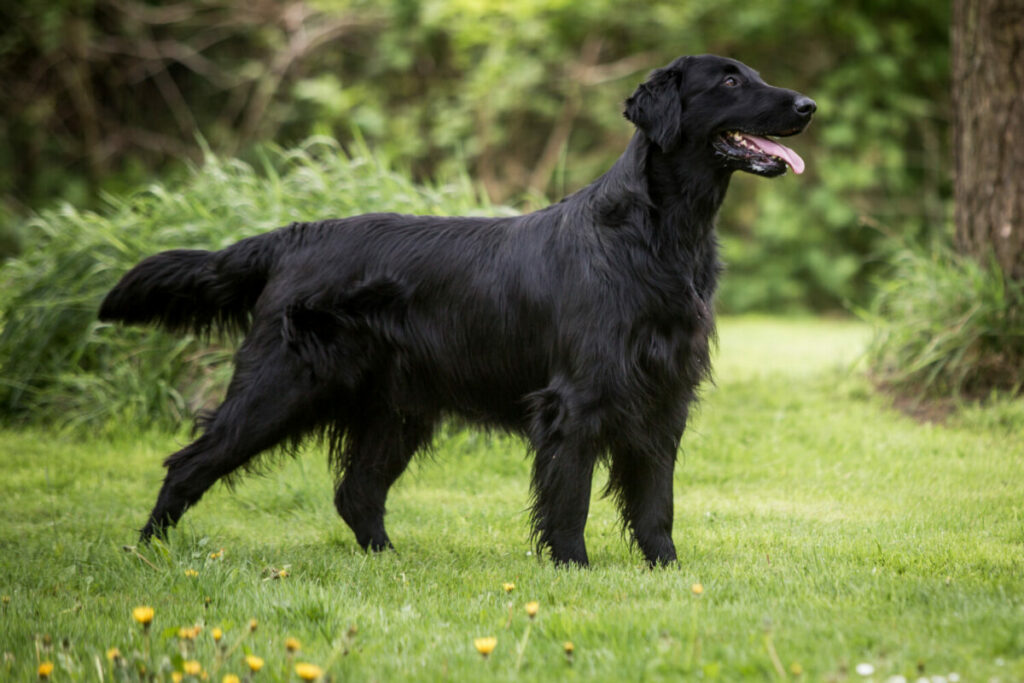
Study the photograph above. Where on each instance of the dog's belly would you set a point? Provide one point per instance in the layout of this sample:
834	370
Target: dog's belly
483	383
471	352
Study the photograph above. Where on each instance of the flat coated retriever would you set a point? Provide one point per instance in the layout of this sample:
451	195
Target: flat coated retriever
584	326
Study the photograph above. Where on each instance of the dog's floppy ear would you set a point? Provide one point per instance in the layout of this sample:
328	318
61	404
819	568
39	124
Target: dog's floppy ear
656	107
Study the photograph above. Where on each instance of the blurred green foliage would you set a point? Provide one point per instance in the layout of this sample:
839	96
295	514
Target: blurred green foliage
526	94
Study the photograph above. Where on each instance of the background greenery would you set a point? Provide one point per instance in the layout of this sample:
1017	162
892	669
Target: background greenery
526	94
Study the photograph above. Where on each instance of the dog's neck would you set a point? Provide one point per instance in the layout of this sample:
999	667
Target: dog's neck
679	191
686	192
654	204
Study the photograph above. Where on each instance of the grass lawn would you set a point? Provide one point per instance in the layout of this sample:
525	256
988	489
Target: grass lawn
829	533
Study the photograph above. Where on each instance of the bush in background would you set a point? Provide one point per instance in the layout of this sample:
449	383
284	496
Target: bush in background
60	364
947	326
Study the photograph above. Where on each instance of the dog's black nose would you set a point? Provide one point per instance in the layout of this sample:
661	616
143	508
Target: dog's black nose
805	106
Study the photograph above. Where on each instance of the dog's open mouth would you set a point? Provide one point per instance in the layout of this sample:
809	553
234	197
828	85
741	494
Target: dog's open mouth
757	151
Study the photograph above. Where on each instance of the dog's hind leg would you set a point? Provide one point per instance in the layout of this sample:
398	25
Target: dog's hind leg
267	402
378	446
640	479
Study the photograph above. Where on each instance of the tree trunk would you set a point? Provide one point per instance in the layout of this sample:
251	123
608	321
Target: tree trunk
988	111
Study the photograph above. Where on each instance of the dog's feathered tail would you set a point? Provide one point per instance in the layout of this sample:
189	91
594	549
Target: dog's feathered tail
191	290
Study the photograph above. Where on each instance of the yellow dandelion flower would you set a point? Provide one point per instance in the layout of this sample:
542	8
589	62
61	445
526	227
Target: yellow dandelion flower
188	632
230	678
796	669
45	669
292	644
253	624
177	676
509	587
485	646
255	663
531	608
308	672
143	615
568	647
192	667
697	589
217	634
191	573
113	654
217	555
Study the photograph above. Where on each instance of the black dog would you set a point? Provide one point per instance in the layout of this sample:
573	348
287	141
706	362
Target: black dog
584	326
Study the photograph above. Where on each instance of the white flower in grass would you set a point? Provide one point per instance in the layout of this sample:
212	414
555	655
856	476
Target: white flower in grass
898	678
865	669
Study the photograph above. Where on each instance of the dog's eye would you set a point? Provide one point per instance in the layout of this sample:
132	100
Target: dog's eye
730	81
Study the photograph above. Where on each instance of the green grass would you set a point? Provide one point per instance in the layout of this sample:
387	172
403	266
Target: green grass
827	531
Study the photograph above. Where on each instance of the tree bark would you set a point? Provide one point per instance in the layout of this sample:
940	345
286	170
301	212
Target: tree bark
988	124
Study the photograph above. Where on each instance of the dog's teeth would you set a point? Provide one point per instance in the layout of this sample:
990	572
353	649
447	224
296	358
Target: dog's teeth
739	140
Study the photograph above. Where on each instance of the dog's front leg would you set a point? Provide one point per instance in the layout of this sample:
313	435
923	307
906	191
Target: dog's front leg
562	477
641	482
563	469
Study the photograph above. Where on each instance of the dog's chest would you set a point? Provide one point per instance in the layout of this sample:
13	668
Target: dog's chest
670	349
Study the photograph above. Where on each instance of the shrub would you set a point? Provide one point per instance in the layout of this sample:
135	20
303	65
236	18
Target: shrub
947	326
60	363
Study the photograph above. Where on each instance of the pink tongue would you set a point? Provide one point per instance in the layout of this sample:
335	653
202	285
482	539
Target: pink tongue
775	149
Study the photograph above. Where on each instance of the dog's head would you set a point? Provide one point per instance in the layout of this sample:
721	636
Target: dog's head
720	108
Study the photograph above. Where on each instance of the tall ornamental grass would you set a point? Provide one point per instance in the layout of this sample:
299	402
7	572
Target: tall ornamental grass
60	365
947	326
